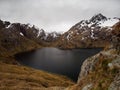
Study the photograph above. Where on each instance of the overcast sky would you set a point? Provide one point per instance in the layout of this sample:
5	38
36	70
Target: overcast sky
56	15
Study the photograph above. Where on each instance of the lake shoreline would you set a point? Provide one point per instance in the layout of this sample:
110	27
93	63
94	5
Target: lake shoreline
57	60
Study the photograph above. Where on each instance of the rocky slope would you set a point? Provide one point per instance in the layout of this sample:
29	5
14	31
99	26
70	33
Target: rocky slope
17	37
12	40
95	32
102	71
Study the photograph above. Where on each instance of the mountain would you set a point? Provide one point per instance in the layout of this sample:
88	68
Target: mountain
92	33
17	37
95	32
12	39
48	37
32	32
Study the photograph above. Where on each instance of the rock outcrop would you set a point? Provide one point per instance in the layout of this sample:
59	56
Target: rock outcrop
116	37
102	71
115	85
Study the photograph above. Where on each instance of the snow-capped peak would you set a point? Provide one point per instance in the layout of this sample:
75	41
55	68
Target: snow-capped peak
97	21
91	28
109	22
97	18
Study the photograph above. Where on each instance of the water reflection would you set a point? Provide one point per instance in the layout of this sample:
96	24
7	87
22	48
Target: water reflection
65	62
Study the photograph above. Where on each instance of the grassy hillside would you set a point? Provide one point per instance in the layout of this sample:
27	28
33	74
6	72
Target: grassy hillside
16	77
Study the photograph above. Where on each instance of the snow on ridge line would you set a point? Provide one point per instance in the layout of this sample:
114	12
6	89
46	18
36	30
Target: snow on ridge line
103	23
8	26
39	32
109	22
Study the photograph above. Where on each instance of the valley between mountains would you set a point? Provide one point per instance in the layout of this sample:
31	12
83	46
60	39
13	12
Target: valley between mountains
99	72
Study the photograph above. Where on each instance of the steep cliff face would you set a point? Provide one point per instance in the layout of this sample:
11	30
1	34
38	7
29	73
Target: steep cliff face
102	71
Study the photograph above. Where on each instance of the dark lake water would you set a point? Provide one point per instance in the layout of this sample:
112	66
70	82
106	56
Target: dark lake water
65	62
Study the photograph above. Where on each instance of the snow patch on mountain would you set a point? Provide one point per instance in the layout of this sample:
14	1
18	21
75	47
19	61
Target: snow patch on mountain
8	26
109	22
92	34
39	32
68	37
94	28
21	34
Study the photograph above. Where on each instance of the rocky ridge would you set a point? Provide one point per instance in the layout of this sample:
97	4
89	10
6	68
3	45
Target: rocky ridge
95	32
17	37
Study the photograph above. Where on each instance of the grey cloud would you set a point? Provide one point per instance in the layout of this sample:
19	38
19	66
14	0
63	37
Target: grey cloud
57	15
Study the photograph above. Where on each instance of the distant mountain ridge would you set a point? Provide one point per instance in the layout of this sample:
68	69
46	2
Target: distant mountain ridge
92	33
27	30
95	32
17	37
